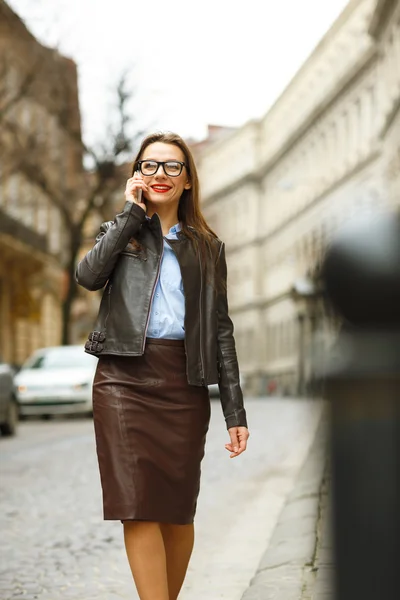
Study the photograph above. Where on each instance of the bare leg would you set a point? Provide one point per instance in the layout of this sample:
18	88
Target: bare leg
146	555
178	541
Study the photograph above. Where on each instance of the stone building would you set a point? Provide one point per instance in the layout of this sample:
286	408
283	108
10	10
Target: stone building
214	133
276	189
40	146
385	28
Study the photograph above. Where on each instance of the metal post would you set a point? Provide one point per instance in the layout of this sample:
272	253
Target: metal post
362	280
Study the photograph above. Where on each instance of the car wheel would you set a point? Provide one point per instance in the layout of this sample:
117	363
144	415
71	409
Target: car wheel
9	427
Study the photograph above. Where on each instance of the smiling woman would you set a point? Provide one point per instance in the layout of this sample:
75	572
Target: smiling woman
163	335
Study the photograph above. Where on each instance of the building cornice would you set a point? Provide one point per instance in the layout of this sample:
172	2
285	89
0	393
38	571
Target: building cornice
383	10
17	230
261	303
289	294
259	240
390	118
249	178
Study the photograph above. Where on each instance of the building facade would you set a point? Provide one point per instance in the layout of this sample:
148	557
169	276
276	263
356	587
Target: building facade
277	189
38	106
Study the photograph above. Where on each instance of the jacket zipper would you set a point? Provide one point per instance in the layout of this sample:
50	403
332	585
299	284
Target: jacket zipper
133	255
201	326
152	295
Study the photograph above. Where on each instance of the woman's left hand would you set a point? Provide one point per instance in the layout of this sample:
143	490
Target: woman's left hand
239	437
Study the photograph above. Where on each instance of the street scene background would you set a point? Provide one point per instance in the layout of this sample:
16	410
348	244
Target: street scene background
293	137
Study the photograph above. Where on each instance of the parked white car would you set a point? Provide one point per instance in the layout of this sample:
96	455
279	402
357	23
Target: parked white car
56	380
8	403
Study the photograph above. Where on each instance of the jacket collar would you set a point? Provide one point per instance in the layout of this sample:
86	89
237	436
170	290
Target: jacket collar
155	224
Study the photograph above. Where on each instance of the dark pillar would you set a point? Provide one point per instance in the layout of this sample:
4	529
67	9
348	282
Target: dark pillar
362	280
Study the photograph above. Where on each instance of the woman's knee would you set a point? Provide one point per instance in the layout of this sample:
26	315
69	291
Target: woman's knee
140	526
174	530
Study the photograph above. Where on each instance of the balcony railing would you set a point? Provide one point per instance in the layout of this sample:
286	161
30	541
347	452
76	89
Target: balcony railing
23	233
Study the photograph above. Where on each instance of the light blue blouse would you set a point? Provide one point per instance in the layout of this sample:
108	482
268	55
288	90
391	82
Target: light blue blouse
167	312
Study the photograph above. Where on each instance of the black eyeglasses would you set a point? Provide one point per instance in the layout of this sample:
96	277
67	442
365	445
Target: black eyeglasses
172	168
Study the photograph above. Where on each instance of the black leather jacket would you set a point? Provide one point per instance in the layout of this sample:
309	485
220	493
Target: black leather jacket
130	276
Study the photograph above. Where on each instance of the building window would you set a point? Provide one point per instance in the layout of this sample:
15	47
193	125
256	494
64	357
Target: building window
12	193
42	212
27	200
54	232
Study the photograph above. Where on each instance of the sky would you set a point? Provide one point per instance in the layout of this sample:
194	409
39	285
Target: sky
189	62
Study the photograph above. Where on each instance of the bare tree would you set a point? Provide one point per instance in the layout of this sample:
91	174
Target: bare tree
90	190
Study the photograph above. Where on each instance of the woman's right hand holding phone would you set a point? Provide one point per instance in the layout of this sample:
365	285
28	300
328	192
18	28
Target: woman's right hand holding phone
134	184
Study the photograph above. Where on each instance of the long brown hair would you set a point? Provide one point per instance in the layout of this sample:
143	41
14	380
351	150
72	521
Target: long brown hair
189	213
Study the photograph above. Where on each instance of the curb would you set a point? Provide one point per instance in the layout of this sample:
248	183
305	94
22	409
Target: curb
286	570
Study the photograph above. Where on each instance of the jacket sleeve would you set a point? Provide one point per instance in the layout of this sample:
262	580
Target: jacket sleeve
229	382
95	268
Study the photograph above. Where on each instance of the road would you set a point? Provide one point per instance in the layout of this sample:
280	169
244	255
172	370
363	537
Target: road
55	545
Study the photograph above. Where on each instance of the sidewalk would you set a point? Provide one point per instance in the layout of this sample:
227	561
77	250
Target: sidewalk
297	564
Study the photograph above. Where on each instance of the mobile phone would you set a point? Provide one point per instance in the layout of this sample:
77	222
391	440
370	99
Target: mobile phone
139	192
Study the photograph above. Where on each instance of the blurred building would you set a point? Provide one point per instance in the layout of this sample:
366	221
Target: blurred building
40	152
215	133
385	29
276	189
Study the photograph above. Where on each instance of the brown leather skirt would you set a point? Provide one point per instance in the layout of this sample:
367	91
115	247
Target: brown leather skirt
150	427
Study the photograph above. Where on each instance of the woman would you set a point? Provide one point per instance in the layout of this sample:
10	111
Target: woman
162	335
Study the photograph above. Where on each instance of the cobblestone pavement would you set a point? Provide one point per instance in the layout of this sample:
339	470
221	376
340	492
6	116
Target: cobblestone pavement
55	545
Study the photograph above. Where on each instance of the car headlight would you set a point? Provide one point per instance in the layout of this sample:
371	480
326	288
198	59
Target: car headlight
81	386
22	389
